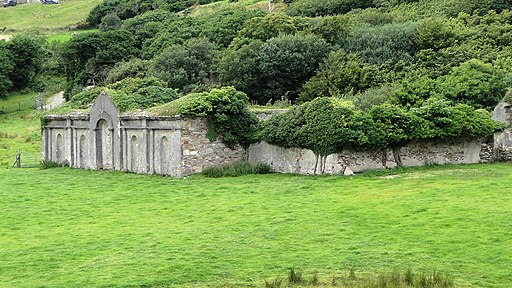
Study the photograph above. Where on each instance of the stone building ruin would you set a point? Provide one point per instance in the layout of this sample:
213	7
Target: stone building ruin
105	139
109	140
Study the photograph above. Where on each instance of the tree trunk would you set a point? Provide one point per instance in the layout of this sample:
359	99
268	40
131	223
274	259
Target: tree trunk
269	6
316	164
384	158
397	156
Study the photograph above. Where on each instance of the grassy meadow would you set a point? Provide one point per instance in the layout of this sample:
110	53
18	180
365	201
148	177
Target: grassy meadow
45	17
66	228
20	128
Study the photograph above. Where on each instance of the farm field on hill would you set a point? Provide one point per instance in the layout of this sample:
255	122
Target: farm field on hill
66	228
45	17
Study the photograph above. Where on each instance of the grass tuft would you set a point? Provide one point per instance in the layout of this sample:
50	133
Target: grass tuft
237	169
51	164
294	277
276	283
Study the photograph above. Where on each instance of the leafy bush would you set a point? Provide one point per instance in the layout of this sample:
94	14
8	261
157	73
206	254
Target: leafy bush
474	82
225	110
339	74
312	8
237	169
386	44
186	67
110	22
272	25
51	164
129	94
133	68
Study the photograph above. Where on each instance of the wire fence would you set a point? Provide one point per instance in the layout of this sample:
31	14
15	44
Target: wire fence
29	104
27	160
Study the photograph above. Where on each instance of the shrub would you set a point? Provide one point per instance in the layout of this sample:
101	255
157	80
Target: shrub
390	43
313	8
110	22
186	67
339	74
237	169
226	112
51	164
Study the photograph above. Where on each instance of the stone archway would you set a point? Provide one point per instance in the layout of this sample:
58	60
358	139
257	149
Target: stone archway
104	145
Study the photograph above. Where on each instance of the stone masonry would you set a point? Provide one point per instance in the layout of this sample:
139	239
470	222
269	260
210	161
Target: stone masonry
105	139
178	146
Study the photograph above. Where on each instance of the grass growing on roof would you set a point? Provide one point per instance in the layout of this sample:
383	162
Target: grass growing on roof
64	227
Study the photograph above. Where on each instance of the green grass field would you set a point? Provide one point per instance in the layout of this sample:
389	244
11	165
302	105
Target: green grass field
69	228
20	128
45	17
65	36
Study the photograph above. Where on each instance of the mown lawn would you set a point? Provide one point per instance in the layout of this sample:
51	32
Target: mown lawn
72	228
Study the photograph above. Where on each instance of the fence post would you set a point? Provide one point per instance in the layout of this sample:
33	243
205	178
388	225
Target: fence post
19	106
17	162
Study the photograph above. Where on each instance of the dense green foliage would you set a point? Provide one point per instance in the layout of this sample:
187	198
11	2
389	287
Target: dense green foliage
225	109
367	74
334	48
21	60
128	94
329	125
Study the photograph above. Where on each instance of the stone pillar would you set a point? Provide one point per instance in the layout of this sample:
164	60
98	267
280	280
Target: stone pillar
151	151
68	142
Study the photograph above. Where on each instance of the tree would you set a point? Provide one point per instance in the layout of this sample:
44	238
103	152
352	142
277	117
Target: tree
287	62
474	82
6	66
240	68
89	57
186	67
394	127
110	22
338	74
27	52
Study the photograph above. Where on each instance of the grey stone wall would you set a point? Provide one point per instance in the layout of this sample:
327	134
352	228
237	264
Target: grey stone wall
303	161
200	152
106	139
178	146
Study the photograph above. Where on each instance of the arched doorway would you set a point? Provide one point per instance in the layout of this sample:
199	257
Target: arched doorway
104	143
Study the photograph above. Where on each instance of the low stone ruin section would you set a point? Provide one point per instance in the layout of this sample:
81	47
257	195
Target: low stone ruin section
199	152
302	161
107	140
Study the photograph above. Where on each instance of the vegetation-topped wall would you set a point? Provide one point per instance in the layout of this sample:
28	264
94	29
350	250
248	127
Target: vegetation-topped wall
178	146
304	161
105	139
